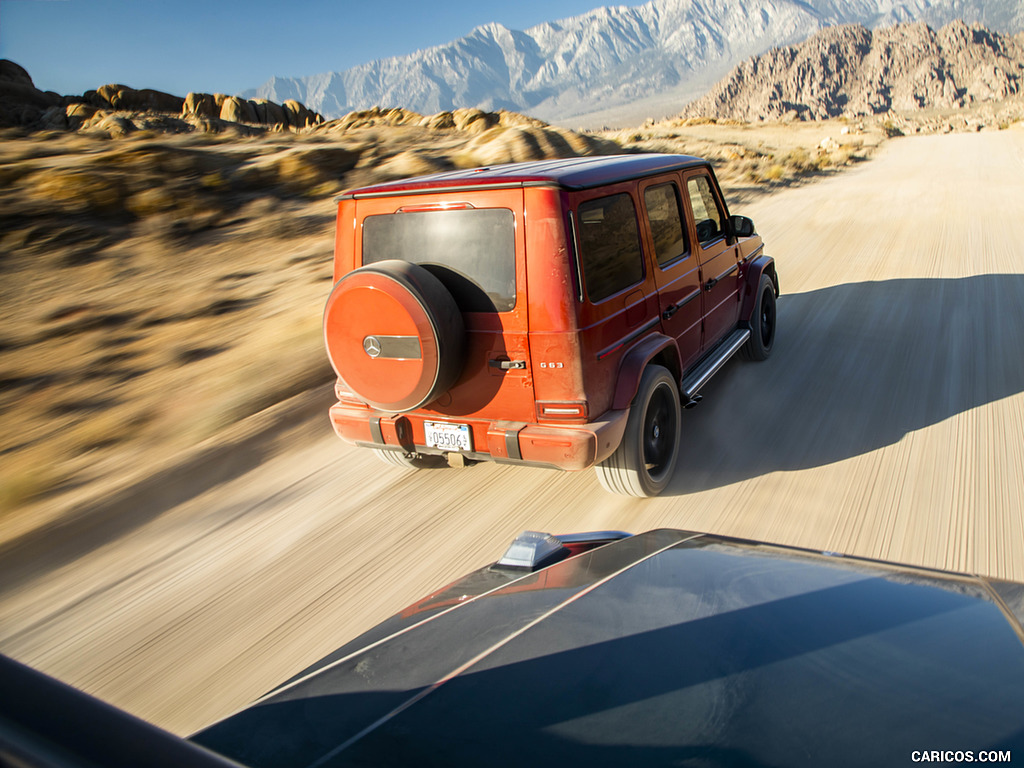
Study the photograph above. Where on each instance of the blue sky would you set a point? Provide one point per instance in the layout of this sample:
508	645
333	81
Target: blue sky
70	46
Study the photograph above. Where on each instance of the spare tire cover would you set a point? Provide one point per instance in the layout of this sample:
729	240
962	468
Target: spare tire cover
394	335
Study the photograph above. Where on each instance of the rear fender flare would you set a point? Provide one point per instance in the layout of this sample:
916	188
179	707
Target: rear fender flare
763	265
635	361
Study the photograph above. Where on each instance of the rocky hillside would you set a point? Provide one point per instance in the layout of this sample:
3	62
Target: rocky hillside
614	65
851	71
119	110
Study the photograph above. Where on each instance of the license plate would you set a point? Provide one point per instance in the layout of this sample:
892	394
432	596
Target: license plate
448	437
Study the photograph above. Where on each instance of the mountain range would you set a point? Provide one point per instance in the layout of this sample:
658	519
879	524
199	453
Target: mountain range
611	65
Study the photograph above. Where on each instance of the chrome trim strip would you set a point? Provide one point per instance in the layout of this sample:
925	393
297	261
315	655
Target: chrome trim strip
626	339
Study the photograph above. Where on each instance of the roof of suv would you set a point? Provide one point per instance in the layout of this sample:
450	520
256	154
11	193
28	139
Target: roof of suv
570	173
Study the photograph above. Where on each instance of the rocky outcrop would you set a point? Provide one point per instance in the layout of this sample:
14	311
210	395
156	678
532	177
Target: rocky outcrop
124	99
465	120
200	104
21	102
851	71
119	110
369	118
234	109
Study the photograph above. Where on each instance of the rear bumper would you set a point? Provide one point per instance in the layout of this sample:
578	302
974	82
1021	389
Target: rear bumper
569	446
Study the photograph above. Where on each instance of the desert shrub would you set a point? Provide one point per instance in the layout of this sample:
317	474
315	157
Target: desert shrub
891	130
150	201
798	160
78	190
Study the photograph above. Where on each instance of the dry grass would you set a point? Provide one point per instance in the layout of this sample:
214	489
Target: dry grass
749	158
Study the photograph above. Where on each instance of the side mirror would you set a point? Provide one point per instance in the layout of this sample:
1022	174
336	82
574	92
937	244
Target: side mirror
742	226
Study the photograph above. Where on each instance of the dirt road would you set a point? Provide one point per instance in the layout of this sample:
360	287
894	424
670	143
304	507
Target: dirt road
888	423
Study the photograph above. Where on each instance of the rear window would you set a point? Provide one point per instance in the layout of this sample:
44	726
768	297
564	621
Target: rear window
471	251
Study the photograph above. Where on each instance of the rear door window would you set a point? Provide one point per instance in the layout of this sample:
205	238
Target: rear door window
663	214
609	245
471	251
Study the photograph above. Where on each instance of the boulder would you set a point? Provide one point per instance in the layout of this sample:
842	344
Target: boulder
269	113
474	120
300	116
21	103
77	114
125	98
374	116
238	110
14	73
201	104
442	121
54	119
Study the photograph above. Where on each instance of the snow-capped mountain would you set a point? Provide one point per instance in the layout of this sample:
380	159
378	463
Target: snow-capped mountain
612	64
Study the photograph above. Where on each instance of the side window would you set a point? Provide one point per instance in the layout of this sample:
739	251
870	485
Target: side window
609	245
662	202
706	214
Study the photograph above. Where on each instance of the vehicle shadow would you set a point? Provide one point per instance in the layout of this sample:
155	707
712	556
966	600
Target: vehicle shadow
856	367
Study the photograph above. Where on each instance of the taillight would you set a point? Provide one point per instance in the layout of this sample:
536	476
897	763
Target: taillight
344	396
572	409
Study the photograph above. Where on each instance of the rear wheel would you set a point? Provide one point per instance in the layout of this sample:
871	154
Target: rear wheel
762	323
644	462
410	460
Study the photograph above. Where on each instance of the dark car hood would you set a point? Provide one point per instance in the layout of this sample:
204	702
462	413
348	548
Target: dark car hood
668	648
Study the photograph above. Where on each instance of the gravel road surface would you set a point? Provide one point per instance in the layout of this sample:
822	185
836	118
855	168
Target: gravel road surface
889	423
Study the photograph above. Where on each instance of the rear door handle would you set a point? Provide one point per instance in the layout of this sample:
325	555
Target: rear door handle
670	310
507	365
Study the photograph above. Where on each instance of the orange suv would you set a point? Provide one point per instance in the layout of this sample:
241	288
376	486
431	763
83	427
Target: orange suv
557	313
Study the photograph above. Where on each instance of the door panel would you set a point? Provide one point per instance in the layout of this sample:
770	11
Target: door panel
676	271
717	255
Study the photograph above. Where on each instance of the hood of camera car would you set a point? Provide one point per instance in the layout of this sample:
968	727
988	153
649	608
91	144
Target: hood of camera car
666	648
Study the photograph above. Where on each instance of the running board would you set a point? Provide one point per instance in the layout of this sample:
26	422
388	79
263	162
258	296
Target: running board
709	367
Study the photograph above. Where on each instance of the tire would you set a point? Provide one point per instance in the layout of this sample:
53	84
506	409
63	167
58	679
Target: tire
394	335
762	323
644	462
409	460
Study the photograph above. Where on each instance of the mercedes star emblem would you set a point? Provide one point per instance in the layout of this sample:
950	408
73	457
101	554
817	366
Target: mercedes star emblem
371	346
